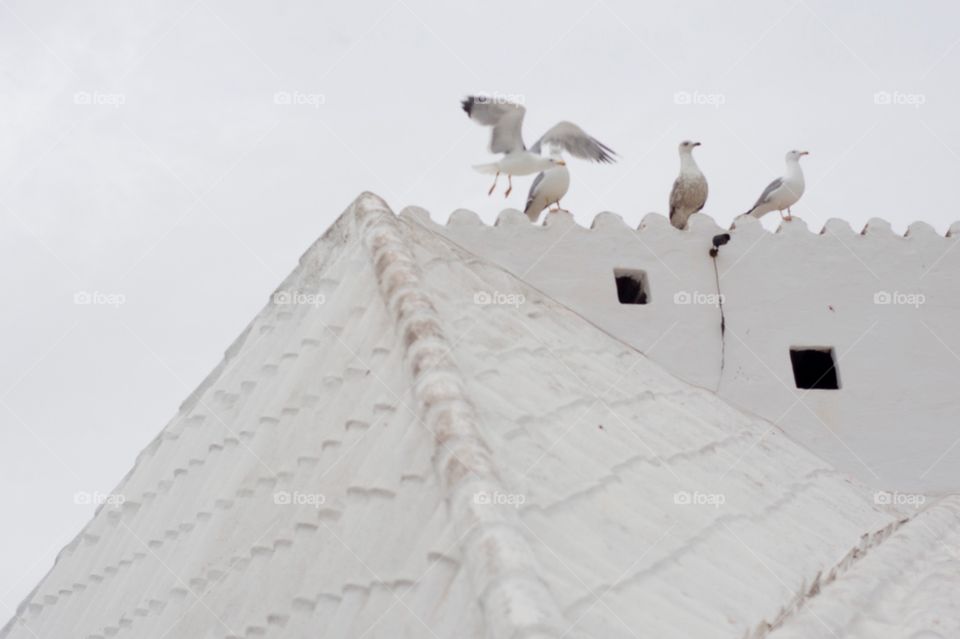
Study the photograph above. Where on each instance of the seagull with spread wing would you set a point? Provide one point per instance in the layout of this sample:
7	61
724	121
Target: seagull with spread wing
506	118
783	192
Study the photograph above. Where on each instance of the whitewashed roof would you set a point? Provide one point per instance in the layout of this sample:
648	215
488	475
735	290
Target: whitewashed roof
906	587
410	442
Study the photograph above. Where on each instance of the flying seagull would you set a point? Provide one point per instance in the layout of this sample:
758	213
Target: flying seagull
547	189
506	118
689	192
783	192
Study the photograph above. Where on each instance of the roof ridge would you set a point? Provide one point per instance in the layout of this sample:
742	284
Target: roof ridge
937	521
499	561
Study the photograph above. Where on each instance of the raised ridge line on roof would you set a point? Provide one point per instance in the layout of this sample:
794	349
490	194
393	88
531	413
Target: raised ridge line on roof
501	565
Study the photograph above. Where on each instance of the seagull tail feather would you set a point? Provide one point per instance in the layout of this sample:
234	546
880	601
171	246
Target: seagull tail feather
533	209
491	168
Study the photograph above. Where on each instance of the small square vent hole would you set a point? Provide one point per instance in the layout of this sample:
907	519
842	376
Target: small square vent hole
632	286
814	367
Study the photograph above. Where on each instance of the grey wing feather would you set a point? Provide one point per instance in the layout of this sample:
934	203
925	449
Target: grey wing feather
533	191
506	118
765	196
676	197
575	141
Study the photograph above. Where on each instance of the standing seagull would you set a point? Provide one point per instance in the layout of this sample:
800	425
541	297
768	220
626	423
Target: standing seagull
783	192
506	118
547	189
689	192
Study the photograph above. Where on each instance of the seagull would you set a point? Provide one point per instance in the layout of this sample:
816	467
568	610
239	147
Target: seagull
506	118
547	189
783	192
689	192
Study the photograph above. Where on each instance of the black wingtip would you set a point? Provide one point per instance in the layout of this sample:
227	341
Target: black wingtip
608	155
467	104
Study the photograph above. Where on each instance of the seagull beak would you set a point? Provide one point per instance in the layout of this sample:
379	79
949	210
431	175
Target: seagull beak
696	144
804	152
561	163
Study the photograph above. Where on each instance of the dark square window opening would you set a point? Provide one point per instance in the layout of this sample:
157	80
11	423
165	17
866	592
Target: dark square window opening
814	367
632	286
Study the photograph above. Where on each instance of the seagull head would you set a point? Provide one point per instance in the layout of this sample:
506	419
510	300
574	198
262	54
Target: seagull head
794	156
687	146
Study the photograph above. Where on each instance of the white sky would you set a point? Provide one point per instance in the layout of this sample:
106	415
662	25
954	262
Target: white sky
184	188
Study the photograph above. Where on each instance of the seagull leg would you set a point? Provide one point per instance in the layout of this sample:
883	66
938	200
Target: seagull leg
509	185
490	192
789	215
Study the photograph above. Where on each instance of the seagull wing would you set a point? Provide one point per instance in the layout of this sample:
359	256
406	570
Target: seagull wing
575	141
767	192
535	200
533	192
506	118
676	196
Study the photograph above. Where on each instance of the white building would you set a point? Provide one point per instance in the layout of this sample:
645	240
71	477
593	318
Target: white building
461	432
885	307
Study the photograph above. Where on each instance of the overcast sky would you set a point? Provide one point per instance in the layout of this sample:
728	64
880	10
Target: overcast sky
169	160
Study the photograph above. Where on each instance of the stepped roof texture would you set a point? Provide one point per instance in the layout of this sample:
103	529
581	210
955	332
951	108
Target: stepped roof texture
409	441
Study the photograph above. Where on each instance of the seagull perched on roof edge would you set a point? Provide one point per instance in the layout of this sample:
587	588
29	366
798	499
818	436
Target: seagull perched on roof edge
689	192
547	189
783	192
506	118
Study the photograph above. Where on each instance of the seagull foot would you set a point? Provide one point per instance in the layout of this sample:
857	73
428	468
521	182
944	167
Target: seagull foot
497	177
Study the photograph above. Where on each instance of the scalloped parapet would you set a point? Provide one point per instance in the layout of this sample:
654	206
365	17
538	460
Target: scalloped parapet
698	223
878	227
464	217
511	217
836	226
608	220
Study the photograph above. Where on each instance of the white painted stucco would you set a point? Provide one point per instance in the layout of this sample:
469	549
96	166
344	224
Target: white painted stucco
894	423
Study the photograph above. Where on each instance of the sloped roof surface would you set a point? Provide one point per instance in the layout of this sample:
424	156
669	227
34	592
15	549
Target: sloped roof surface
410	442
906	587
